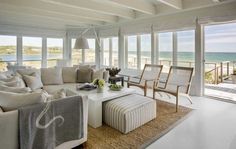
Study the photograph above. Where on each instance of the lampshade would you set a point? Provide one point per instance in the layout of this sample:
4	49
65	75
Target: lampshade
81	43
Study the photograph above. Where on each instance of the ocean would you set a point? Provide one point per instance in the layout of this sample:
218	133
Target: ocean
182	56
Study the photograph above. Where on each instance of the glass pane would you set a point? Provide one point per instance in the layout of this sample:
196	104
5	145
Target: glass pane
145	50
106	45
115	51
90	53
55	51
186	46
165	50
132	52
76	54
32	51
7	51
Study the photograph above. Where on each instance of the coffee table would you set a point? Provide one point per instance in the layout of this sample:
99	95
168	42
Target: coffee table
96	100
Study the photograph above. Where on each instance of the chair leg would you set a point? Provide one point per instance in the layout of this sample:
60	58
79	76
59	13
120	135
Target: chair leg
153	94
177	103
189	98
145	91
127	85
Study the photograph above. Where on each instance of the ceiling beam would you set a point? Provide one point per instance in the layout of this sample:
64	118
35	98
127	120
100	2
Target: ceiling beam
99	7
22	15
177	4
47	15
47	7
138	5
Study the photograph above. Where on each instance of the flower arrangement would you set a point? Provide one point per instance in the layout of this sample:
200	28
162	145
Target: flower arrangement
100	83
113	71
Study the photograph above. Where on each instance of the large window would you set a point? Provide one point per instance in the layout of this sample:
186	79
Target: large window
115	52
145	49
7	51
165	49
132	52
186	46
90	53
54	51
32	51
106	49
76	54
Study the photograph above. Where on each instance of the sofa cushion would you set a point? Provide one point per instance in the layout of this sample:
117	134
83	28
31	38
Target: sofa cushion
51	76
33	81
84	75
69	74
97	74
51	89
12	101
15	89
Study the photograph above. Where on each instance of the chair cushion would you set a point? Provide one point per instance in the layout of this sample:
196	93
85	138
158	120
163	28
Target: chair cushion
84	75
69	74
51	76
33	81
12	101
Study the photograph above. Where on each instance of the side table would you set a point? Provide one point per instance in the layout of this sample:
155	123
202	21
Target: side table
116	79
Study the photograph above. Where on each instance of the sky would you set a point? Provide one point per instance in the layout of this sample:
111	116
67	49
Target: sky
218	38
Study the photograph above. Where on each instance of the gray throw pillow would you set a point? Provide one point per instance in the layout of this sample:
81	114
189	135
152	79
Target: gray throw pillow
33	81
84	75
12	101
51	76
69	74
15	89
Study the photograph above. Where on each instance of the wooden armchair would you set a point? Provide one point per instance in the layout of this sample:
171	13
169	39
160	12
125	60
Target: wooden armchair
177	84
150	73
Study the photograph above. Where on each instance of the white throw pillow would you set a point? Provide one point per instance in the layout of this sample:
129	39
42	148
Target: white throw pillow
29	71
51	76
12	101
14	79
3	75
15	89
69	74
33	81
97	74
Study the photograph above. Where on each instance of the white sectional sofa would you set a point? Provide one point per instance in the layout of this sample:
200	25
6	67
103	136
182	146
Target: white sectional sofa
52	80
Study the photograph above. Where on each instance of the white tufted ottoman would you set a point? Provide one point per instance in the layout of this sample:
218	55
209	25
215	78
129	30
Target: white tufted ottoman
129	112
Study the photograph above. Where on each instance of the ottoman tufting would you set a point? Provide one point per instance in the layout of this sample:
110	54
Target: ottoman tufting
129	112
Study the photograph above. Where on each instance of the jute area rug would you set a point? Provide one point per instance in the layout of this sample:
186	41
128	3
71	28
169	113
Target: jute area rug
106	137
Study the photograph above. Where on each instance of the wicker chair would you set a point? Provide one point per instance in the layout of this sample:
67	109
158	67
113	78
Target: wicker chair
177	84
150	74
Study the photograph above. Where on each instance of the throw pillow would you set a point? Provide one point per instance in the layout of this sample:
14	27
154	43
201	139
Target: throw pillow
15	79
33	81
51	76
84	75
10	84
12	101
2	75
15	89
97	74
29	71
69	74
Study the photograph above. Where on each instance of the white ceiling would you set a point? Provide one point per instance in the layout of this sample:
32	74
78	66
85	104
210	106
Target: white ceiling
63	14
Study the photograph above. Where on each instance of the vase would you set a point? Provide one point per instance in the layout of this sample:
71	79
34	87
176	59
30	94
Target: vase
99	90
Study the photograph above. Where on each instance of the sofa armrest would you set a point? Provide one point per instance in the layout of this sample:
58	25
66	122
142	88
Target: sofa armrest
9	129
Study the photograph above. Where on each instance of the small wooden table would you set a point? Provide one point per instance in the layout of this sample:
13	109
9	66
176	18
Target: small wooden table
116	79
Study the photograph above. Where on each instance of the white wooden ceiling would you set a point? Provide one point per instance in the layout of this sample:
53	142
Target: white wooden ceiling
63	14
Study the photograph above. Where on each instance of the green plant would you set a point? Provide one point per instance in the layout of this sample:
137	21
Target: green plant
209	78
113	71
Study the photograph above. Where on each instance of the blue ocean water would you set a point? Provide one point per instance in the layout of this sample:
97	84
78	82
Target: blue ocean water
182	56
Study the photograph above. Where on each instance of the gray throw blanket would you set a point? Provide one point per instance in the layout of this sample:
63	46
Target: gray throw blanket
60	121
